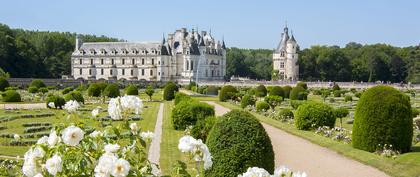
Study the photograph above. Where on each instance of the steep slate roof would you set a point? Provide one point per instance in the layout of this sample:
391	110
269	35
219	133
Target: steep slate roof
120	46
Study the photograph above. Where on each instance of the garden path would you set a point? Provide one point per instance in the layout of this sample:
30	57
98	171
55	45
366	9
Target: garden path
302	155
23	106
154	149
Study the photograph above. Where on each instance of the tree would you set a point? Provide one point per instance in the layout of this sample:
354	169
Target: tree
149	92
398	69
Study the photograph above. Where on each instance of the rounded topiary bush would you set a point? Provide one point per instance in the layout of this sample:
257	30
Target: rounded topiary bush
284	114
58	101
11	96
95	90
383	116
74	95
179	97
202	128
287	90
33	89
187	113
238	141
348	98
336	87
302	84
262	106
312	115
212	90
37	83
247	100
3	84
337	93
112	90
277	91
260	91
67	90
227	92
169	91
43	90
131	90
298	93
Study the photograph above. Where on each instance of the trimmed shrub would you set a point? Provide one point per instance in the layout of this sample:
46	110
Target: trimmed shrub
67	90
336	87
74	95
187	113
332	100
383	116
415	112
43	90
33	89
202	128
262	106
212	90
337	93
11	96
316	92
298	93
296	103
149	91
284	114
238	141
131	90
302	84
312	115
287	89
247	100
3	84
96	89
191	85
358	94
277	91
169	91
341	112
273	100
112	90
57	100
348	98
11	88
179	97
261	91
37	83
227	92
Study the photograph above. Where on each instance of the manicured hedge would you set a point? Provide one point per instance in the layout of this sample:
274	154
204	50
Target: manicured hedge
227	92
383	116
298	93
202	128
74	95
311	115
348	98
287	90
238	141
179	97
58	101
302	84
284	114
247	100
212	90
169	91
131	90
273	100
277	91
261	91
11	96
337	93
67	90
37	83
187	113
3	84
96	89
262	106
112	90
32	89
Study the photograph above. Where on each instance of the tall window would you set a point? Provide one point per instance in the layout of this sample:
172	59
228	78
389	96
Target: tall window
90	71
132	72
80	61
142	61
123	71
142	72
132	61
123	61
151	72
192	65
80	71
102	61
153	61
281	64
102	71
112	61
110	72
188	65
91	61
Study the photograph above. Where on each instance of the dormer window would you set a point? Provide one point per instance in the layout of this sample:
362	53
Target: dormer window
142	51
123	61
134	51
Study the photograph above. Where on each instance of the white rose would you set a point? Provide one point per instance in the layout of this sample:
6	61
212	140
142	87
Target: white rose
111	148
71	106
134	128
51	105
16	137
42	140
95	134
53	139
30	167
54	165
115	109
38	152
255	171
121	168
95	112
130	102
147	135
72	135
38	175
105	164
282	170
185	143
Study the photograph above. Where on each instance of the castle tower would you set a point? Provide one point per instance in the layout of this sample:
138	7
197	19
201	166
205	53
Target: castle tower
285	58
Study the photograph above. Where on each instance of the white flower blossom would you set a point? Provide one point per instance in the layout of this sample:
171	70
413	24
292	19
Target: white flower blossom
71	106
95	112
72	135
111	148
197	148
130	102
54	165
134	128
300	174
147	135
53	139
51	104
42	140
115	108
282	170
95	134
105	164
185	143
16	137
38	175
255	172
121	168
30	166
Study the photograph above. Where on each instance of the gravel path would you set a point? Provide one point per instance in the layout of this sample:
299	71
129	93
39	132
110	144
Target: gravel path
154	150
302	155
24	106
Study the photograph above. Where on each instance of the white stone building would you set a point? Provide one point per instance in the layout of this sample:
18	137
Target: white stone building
184	56
285	58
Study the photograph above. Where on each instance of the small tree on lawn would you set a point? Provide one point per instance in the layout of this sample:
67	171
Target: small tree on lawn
273	100
341	113
150	91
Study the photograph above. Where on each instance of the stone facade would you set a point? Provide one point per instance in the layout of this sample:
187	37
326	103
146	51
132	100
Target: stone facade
184	56
285	66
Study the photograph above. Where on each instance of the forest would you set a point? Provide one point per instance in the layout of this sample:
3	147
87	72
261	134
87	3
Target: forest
44	54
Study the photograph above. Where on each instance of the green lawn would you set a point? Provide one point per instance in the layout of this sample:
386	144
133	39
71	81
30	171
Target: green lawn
407	164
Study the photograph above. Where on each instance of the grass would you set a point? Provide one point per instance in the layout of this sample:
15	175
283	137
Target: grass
407	165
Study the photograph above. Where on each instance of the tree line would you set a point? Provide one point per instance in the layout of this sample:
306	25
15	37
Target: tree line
44	54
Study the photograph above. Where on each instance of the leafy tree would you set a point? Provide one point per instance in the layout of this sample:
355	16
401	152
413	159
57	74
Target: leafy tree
149	91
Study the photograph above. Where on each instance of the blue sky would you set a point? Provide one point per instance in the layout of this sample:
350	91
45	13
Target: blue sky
243	23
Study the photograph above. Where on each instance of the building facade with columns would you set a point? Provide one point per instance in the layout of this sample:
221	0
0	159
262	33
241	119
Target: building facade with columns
183	56
285	57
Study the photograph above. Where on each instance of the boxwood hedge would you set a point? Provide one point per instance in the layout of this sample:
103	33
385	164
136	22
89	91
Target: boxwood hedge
227	92
186	113
312	115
